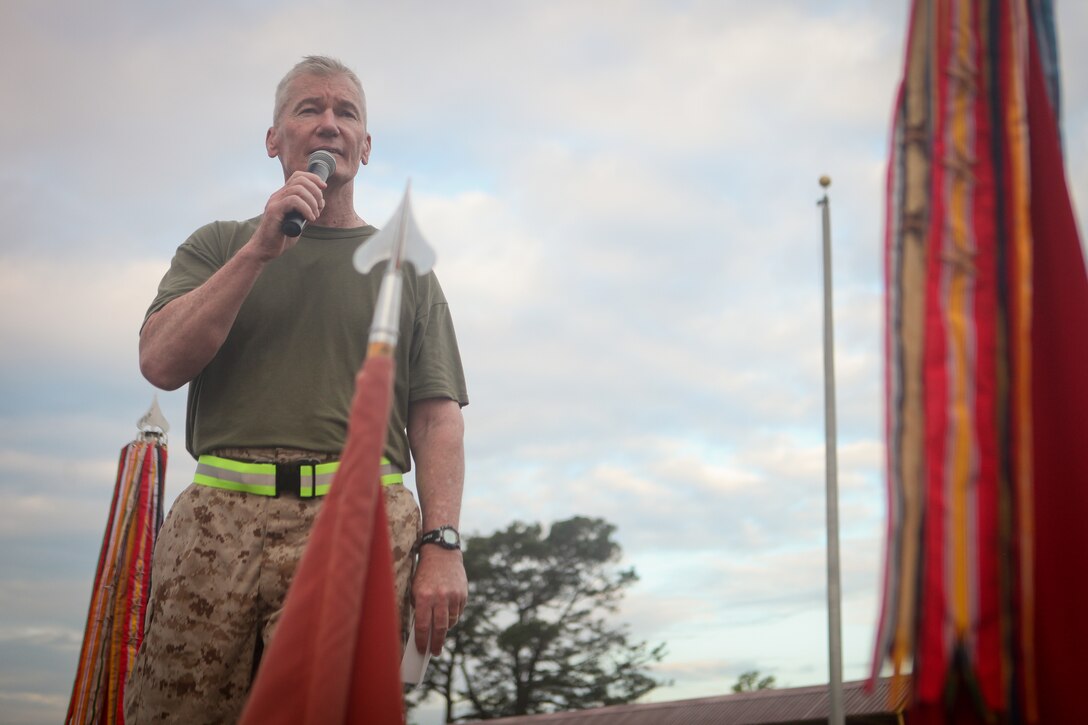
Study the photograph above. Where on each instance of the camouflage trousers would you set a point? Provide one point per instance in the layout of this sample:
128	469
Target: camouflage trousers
221	569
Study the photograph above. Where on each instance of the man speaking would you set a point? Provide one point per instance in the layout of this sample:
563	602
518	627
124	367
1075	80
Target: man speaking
266	320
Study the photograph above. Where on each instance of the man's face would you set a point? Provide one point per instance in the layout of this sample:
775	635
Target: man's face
321	112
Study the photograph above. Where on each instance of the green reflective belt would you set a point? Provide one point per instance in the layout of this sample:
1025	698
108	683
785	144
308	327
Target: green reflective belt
305	479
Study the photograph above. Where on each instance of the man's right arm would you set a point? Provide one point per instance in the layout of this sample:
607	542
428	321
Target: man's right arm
179	340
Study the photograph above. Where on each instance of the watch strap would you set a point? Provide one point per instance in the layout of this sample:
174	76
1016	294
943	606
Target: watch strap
445	536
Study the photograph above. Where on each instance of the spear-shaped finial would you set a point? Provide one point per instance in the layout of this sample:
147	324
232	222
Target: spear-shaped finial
153	422
399	242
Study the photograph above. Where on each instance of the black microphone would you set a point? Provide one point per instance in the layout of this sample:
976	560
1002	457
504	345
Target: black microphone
323	164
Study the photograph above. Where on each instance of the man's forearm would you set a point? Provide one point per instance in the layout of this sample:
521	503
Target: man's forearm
436	434
440	588
179	340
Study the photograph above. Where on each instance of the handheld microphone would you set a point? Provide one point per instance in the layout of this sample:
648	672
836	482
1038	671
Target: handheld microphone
323	164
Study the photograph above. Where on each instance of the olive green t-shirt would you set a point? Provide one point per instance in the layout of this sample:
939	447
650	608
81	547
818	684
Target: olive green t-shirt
285	376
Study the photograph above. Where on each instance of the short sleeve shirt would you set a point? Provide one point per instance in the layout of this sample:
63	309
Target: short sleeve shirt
285	376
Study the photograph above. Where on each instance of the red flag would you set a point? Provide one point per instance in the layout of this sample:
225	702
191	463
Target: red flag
1060	412
334	657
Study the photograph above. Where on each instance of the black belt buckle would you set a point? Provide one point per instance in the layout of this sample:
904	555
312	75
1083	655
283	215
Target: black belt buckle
289	478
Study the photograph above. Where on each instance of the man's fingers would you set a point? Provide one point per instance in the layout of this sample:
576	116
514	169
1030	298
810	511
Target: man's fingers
423	634
304	193
312	202
441	626
434	636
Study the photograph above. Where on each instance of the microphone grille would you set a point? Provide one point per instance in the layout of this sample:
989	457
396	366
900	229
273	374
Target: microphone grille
323	164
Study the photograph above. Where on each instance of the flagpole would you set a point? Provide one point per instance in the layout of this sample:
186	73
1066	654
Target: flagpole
834	594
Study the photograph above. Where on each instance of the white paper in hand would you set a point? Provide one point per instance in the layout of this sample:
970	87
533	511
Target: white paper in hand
413	666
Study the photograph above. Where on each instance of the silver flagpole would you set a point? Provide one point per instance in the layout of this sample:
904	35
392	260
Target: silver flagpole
834	593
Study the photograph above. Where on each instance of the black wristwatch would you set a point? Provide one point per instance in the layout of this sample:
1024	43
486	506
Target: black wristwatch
445	536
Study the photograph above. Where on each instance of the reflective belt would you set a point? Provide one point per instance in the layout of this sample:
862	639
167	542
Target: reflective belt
305	479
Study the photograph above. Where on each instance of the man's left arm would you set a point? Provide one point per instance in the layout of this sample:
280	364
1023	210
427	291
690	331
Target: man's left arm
436	432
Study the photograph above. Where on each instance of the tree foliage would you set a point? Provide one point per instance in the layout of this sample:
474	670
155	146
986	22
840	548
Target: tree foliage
537	634
750	680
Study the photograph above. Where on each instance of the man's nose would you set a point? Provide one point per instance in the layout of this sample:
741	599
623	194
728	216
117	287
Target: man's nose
328	123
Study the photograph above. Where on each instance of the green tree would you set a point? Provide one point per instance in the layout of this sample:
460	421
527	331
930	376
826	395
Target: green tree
536	635
750	680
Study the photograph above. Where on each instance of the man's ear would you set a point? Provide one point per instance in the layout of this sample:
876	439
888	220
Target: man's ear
270	143
365	155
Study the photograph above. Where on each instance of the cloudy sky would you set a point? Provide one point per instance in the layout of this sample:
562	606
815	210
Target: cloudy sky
623	201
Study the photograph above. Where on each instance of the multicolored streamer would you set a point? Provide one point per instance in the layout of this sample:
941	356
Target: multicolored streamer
973	483
115	620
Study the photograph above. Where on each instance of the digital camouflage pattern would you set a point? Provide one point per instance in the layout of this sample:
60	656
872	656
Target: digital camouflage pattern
223	564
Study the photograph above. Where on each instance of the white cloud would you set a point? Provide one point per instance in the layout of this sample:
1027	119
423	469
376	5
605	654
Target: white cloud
67	640
70	310
623	203
484	251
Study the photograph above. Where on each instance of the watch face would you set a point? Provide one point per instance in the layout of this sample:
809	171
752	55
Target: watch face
444	536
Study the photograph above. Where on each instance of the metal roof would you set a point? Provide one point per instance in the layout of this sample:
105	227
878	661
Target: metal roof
762	707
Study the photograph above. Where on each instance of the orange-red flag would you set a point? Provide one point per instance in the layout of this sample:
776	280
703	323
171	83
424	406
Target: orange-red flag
335	654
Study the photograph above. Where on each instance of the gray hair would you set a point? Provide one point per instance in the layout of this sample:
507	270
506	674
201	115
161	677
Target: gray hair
315	65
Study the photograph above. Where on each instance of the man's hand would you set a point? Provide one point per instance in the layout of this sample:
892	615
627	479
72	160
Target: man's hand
439	595
303	192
